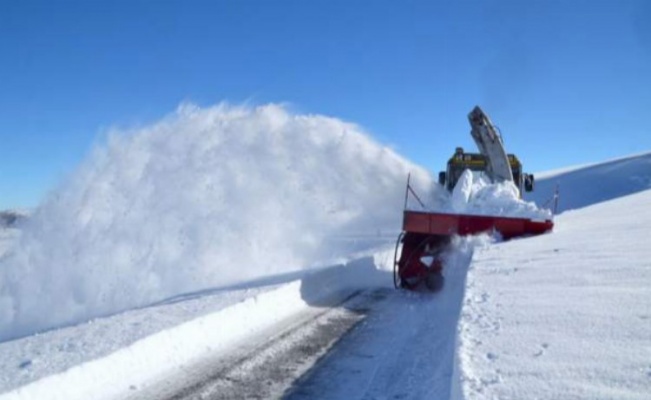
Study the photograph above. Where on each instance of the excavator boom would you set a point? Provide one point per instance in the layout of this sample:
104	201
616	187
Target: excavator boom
490	144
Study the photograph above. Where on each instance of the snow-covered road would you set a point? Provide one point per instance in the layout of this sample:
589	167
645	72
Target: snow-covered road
265	364
387	343
405	348
277	345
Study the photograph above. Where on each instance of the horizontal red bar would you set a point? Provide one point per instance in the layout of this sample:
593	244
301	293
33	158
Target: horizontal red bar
464	224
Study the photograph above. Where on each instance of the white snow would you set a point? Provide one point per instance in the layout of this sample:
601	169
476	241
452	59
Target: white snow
134	365
216	224
204	198
475	194
111	357
405	349
586	185
565	315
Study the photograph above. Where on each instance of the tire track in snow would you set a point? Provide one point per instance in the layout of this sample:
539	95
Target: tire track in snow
404	349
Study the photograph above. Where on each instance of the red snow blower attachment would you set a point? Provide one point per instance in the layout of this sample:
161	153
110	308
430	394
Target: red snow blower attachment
425	235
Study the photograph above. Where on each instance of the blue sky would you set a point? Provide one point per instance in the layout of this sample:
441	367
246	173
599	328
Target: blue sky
568	82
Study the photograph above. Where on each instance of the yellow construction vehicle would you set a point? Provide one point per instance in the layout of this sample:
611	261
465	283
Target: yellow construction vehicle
460	161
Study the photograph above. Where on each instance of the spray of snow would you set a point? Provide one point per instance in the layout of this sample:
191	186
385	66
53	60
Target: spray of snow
204	198
475	194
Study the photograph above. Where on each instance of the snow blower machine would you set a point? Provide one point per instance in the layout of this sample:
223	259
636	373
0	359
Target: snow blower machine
426	235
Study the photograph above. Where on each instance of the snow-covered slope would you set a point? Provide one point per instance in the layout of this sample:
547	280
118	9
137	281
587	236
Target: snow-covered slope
590	184
565	315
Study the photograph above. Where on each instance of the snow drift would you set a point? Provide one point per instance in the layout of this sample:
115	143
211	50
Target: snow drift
206	197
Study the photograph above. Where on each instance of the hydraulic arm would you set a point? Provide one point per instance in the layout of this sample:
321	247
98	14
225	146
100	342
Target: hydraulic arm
490	145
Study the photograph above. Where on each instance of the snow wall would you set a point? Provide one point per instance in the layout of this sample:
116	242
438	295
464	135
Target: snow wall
206	197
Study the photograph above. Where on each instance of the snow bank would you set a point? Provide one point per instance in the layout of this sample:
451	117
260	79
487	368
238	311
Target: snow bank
475	194
127	369
160	355
203	198
565	315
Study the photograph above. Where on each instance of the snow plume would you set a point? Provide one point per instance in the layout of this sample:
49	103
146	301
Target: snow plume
204	198
475	194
